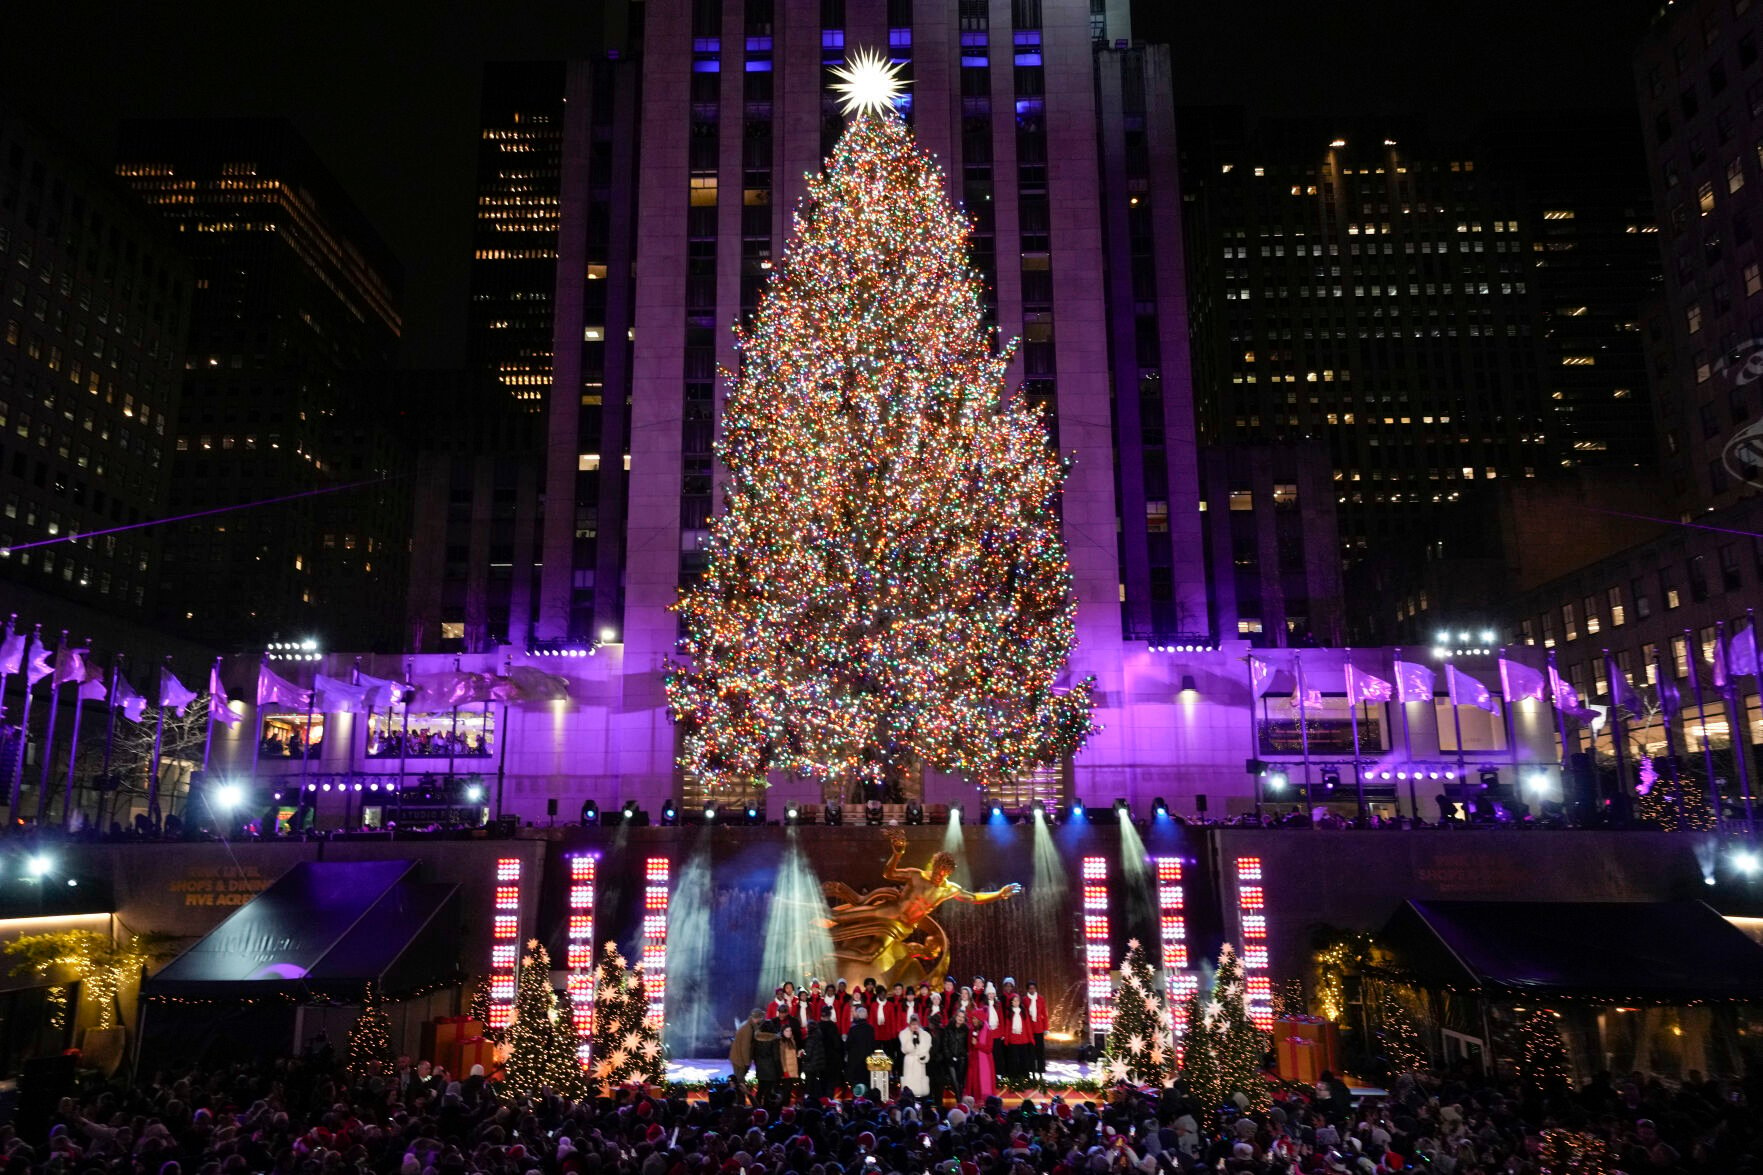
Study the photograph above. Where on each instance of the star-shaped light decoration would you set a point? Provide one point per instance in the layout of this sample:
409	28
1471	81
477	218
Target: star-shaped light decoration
868	83
1117	1070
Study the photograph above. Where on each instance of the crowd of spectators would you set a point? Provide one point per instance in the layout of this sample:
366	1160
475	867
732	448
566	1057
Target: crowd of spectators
302	1116
424	743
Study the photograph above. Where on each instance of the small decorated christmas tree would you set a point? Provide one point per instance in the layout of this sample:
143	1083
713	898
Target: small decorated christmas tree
1542	1058
369	1044
531	1036
1139	1048
1223	1050
1400	1037
1571	1152
479	1010
563	1070
626	1047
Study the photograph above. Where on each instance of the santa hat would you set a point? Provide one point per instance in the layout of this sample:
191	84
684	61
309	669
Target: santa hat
866	1140
645	1110
655	1133
761	1116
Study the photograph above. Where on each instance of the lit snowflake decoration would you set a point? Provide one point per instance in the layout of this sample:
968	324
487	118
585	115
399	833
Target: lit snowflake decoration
1117	1070
868	83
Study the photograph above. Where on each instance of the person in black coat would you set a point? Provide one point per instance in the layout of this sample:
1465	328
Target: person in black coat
859	1043
767	1062
823	1058
949	1057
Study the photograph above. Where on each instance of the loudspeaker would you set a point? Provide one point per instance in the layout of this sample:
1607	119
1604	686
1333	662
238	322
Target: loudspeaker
551	806
1200	802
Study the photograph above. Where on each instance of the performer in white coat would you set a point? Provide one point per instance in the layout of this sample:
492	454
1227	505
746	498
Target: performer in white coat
915	1057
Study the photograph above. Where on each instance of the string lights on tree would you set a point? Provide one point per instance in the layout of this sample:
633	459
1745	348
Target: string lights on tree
887	586
1223	1049
1139	1047
626	1045
369	1044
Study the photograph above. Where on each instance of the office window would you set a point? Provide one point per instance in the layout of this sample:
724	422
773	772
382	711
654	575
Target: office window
1569	623
1641	593
1592	623
1669	591
1613	605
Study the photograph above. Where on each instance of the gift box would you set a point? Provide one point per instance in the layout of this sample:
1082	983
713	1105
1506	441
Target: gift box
440	1035
471	1051
1321	1034
1300	1059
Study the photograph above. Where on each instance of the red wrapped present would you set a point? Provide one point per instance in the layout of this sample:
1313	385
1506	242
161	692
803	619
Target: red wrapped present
1319	1032
440	1035
468	1052
1300	1060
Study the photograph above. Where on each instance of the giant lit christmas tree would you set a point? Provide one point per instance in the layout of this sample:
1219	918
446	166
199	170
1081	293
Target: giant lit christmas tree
886	585
626	1046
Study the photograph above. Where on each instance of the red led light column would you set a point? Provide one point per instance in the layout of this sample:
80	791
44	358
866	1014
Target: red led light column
656	872
1252	919
1172	922
504	941
1098	958
583	876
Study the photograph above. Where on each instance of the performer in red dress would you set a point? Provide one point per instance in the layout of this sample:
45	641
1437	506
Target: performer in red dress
982	1076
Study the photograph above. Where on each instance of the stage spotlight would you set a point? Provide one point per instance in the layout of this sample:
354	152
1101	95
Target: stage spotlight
1747	862
228	796
630	811
474	793
1537	783
835	814
1331	778
1159	809
915	813
792	814
590	813
1077	809
1122	808
709	813
1038	814
1489	777
752	814
996	813
1277	780
37	865
955	814
669	814
872	812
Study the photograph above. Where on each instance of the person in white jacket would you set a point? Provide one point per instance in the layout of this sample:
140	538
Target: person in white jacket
915	1057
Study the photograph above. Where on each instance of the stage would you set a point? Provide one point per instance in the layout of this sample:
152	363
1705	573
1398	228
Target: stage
1060	1074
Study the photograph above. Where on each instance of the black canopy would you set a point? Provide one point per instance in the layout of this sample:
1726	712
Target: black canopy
1618	952
325	930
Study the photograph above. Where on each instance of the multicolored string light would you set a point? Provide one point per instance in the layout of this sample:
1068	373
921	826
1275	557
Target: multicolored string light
887	585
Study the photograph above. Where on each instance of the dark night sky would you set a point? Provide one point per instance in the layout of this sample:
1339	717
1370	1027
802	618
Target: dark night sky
387	89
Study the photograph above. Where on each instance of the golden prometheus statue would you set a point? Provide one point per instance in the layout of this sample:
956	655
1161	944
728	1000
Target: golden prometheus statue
889	932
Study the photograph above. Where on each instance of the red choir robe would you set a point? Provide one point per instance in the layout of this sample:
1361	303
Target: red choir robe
982	1074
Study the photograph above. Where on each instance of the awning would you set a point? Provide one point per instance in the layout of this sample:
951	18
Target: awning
1616	952
325	930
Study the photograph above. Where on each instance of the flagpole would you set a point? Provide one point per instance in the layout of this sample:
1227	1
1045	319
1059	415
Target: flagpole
1671	740
1457	727
1358	766
11	624
1407	739
49	734
452	737
208	740
356	673
1735	729
1702	725
158	742
404	742
306	740
1303	725
257	720
1511	725
109	730
1254	734
1560	720
24	730
73	750
1617	739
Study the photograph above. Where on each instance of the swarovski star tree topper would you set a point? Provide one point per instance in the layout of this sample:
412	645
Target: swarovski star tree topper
868	83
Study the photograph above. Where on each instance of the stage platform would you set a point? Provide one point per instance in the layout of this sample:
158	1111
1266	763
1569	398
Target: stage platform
1060	1074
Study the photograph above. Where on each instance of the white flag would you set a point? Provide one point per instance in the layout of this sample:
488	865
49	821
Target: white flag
217	700
173	692
132	704
332	695
382	692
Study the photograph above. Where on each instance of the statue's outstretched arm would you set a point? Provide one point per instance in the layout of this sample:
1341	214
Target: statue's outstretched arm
892	870
983	899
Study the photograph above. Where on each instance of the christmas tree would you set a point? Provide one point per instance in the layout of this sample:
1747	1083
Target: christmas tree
626	1047
887	585
1402	1043
1541	1057
1139	1047
531	1037
1223	1050
1571	1152
479	1010
564	1073
369	1044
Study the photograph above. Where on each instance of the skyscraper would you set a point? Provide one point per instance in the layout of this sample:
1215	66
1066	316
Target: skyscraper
683	159
96	305
294	289
1379	289
514	226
